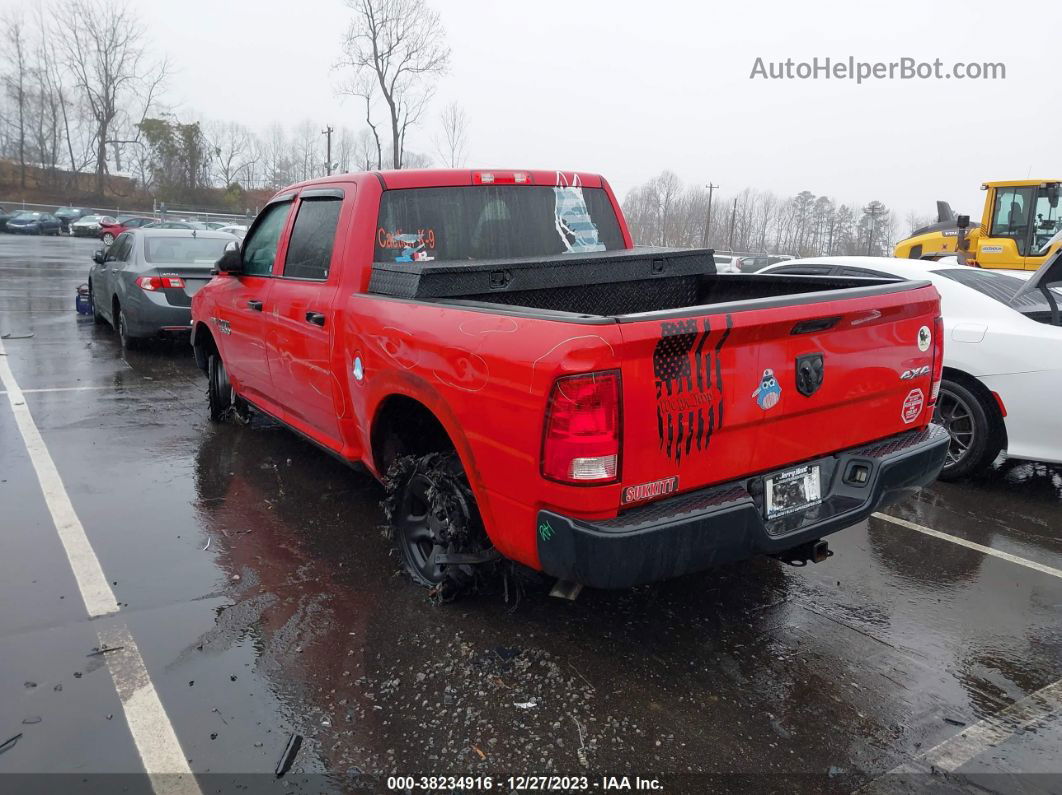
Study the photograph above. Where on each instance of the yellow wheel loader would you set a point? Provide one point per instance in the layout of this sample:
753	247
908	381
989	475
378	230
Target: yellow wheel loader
1021	227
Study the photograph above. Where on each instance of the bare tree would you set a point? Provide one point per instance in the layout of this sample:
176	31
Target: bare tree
399	45
230	147
344	150
453	146
16	83
367	155
412	159
277	162
103	47
915	221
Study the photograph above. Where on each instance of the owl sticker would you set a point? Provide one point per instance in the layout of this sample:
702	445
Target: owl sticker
769	391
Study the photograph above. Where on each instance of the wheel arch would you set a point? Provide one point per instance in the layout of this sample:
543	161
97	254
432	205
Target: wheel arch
988	399
203	344
421	422
404	425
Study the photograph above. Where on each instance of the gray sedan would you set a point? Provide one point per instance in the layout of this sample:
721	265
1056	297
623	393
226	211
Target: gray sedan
144	282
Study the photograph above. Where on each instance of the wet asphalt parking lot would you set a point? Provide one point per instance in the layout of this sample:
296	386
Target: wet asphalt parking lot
254	584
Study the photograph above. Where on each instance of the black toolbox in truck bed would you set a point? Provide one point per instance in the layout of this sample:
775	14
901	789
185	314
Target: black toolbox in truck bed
485	279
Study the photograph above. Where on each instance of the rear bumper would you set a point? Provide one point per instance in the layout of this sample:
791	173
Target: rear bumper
150	314
725	523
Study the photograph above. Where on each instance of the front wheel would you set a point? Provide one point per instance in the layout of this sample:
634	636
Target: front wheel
221	397
971	424
435	523
108	238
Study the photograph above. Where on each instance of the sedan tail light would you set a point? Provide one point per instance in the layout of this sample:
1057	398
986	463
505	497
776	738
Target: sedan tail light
152	283
581	441
938	360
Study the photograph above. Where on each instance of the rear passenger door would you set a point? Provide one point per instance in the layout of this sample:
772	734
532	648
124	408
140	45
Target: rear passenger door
301	320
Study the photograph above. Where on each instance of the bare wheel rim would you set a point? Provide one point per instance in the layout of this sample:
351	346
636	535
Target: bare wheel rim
422	528
956	415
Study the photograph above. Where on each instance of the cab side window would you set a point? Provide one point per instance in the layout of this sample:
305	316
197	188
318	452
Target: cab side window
260	247
312	237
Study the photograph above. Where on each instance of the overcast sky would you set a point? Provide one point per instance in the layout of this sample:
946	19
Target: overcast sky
630	88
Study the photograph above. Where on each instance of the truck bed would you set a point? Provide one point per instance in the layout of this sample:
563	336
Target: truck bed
608	286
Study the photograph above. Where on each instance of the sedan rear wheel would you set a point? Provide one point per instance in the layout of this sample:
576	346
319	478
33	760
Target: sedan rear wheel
108	238
970	424
128	341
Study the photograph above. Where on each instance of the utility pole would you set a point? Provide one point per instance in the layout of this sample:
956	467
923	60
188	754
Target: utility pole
328	157
733	217
874	209
708	221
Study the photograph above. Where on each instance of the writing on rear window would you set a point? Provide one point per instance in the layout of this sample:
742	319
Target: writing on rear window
409	246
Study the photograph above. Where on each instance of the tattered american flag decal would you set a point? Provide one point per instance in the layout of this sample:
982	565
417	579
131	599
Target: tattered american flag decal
689	384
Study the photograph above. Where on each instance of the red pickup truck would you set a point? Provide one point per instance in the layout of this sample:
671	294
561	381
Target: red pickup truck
530	385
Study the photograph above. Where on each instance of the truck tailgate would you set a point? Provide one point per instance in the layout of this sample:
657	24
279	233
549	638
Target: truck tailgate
714	396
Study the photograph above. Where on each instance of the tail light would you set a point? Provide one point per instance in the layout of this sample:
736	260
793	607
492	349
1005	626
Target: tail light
581	442
938	359
151	283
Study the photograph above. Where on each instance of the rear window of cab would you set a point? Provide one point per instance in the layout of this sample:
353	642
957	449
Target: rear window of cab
493	222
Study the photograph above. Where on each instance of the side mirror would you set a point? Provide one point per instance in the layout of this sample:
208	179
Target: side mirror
231	261
97	257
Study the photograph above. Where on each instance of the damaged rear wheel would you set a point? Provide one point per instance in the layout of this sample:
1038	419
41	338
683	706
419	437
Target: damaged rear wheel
435	523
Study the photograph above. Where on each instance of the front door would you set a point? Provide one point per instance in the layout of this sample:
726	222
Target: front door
243	304
302	320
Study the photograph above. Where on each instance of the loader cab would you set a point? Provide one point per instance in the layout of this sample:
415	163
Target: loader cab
1022	220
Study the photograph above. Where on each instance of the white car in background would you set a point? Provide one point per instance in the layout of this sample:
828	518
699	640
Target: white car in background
1002	354
89	225
234	229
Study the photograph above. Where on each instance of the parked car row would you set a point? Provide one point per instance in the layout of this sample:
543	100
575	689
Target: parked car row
29	222
82	222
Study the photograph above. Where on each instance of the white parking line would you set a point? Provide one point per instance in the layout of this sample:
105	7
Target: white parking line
62	389
1029	564
154	736
974	740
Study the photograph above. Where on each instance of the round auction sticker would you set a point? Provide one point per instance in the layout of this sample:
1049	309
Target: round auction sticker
912	405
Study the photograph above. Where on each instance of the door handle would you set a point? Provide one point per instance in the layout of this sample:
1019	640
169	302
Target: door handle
316	318
255	305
